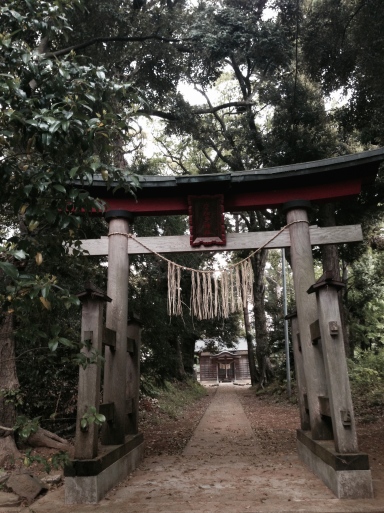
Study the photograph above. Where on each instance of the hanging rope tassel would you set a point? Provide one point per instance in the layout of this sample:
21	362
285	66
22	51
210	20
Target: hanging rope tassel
238	289
174	289
224	294
246	282
211	297
232	296
216	306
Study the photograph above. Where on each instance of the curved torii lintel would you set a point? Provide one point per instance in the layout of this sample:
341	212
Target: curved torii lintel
319	181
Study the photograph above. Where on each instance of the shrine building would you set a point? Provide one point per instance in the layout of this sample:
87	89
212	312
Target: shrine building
224	367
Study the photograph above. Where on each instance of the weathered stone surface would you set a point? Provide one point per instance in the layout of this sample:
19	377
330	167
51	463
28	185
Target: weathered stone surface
25	485
345	484
54	479
9	500
91	489
3	477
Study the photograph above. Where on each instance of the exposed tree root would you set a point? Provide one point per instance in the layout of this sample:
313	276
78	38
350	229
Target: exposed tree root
44	438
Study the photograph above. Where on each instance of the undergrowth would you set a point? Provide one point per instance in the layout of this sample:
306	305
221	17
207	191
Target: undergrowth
173	396
366	375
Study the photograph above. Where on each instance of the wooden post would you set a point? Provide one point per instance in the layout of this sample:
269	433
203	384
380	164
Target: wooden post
303	278
300	374
332	342
133	375
115	370
89	377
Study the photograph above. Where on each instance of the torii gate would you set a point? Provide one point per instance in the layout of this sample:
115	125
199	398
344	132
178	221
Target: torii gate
327	439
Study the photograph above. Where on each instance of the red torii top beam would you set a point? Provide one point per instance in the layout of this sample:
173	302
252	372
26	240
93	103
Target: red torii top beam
320	181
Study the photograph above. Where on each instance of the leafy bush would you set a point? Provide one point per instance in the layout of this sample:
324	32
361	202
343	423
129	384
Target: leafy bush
366	372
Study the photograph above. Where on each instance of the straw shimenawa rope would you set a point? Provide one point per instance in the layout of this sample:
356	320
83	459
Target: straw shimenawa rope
214	293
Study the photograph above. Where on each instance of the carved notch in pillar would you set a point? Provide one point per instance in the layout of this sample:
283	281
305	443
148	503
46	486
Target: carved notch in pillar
92	300
339	393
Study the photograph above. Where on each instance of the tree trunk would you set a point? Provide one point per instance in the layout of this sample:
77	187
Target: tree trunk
262	346
8	383
251	354
44	438
179	371
330	260
188	344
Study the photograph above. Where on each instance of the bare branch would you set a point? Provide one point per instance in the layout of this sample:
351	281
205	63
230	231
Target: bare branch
212	110
11	430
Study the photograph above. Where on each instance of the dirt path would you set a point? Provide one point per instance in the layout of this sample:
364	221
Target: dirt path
226	467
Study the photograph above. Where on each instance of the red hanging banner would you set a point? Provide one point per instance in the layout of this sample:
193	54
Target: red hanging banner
206	220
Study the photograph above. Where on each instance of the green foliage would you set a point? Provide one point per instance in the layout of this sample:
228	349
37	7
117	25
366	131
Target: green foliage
173	396
13	396
300	129
342	46
365	301
55	372
25	427
91	417
149	385
366	373
56	461
57	130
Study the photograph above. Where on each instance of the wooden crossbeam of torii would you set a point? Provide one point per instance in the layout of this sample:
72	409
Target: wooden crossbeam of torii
235	241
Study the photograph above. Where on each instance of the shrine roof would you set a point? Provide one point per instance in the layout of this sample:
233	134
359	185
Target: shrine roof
235	353
328	179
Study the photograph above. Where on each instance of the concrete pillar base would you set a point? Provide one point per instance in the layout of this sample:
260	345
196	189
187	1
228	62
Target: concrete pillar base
104	472
347	475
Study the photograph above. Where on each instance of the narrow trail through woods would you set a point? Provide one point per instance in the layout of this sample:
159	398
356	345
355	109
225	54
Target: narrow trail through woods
224	468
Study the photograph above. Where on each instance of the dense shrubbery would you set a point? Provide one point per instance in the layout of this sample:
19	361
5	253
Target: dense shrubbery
366	372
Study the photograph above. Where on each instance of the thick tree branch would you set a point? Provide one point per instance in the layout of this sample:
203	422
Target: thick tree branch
211	110
207	157
169	116
246	221
123	39
240	78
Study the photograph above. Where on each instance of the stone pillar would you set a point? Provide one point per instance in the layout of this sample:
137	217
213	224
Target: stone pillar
86	438
332	342
133	376
304	277
300	374
115	370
